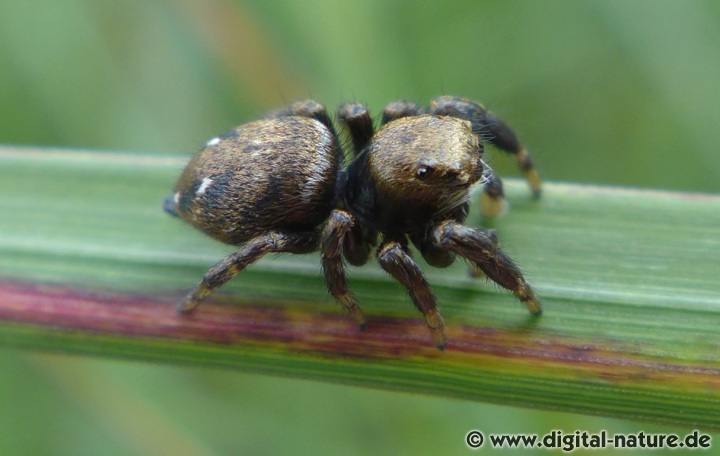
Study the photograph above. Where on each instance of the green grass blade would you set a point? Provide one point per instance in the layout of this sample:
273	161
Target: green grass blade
90	264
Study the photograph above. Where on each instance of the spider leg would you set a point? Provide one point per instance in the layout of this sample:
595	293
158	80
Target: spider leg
332	238
399	109
306	108
249	252
358	244
395	259
359	241
435	255
473	268
492	201
488	126
480	247
360	125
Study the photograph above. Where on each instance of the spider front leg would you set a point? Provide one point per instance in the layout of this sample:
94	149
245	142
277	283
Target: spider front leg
488	126
339	225
395	259
250	252
492	201
480	247
473	269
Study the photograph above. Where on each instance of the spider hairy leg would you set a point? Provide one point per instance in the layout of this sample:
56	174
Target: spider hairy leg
250	252
305	108
480	247
338	226
395	259
488	126
360	125
399	109
492	201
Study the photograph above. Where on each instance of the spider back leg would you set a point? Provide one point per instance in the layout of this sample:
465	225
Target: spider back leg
249	253
306	108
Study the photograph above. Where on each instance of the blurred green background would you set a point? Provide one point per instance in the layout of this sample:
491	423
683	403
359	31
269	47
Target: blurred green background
615	92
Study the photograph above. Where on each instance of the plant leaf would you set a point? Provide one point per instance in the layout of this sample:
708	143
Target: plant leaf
90	264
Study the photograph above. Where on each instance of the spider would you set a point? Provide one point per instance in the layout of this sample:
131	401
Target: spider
280	184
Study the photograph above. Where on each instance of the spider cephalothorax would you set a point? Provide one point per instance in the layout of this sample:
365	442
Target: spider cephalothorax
279	185
414	169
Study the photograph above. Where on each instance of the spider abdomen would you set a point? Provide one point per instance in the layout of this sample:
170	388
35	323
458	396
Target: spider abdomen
271	174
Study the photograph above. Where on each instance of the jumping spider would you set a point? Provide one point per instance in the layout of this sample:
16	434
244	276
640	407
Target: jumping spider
280	185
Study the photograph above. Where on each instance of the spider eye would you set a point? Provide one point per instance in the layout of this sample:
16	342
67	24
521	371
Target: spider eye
424	172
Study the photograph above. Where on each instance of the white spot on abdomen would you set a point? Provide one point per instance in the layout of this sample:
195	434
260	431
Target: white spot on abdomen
213	142
204	186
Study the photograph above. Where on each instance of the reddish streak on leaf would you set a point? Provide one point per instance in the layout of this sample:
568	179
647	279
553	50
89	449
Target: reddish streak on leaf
296	327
